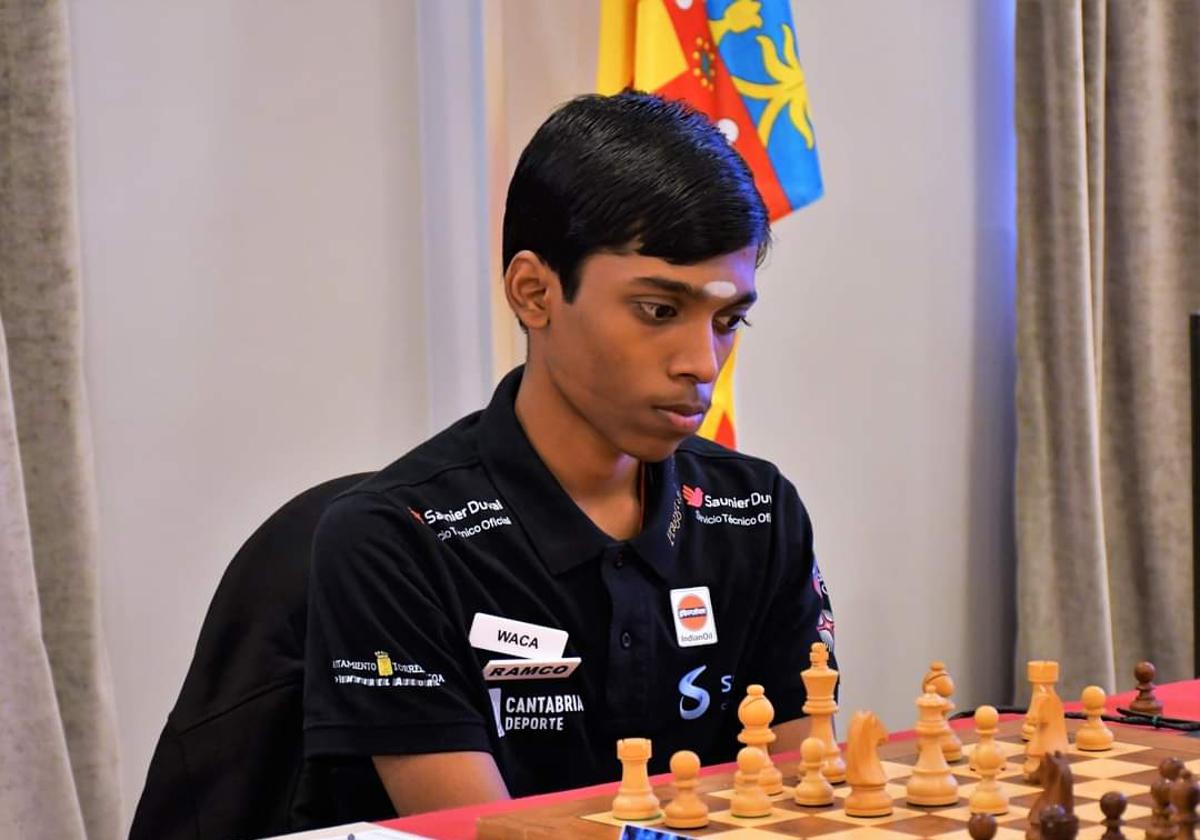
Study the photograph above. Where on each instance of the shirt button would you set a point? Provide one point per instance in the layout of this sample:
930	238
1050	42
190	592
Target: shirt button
626	640
620	561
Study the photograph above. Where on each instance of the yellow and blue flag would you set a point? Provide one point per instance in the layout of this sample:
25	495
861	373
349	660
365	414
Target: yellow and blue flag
736	61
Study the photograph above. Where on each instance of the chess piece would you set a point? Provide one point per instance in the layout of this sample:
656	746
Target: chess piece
931	783
938	681
1185	795
749	799
1093	736
864	771
1112	804
687	809
981	827
988	797
1162	815
1047	716
1042	676
819	681
987	723
1145	703
635	798
1056	823
813	789
756	713
1058	788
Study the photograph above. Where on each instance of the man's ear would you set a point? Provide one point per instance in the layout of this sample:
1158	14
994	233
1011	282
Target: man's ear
529	285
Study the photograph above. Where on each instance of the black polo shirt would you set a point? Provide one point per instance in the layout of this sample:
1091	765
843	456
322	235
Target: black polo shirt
469	543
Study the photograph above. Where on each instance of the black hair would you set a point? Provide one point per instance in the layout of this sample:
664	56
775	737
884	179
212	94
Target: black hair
630	173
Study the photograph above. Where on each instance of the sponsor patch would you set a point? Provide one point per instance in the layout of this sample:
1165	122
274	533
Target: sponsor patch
516	638
692	612
530	669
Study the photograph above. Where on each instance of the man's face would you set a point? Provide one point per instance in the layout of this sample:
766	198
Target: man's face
637	352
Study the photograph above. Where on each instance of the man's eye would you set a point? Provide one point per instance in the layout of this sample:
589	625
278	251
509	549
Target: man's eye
730	323
656	311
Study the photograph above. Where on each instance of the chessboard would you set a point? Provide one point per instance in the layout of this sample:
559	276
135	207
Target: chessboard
1129	766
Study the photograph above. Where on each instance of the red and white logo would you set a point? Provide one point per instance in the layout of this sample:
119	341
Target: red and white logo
692	612
694	496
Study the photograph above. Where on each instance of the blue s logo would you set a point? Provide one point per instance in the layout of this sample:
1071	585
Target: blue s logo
689	689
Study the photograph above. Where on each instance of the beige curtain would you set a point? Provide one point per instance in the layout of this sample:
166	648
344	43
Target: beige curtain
1108	206
58	762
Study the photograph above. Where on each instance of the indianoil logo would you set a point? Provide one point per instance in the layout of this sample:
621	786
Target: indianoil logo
692	612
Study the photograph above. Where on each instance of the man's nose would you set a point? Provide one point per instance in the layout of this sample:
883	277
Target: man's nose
697	356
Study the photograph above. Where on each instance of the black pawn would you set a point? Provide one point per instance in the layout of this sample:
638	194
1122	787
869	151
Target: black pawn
1145	703
1113	805
1057	824
1185	795
981	827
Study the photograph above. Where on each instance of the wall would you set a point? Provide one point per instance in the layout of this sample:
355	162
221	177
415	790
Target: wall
252	209
879	370
250	214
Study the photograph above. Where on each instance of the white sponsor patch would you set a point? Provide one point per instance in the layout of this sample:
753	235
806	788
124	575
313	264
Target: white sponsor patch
530	669
692	610
516	638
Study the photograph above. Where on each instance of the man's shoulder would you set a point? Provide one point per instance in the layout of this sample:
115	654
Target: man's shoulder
711	459
446	464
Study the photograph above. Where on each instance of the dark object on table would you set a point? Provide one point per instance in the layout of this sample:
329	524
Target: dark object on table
1057	824
1112	804
1145	703
1058	789
981	827
1185	795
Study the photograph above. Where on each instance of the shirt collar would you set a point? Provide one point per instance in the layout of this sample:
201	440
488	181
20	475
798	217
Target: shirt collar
561	533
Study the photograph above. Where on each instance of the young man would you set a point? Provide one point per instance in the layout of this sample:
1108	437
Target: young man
576	517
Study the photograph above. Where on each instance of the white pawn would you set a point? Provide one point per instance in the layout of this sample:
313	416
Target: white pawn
813	789
988	797
1094	736
749	799
987	721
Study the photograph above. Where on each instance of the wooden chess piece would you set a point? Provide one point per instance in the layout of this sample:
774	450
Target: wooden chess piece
864	772
1162	815
1042	679
931	783
981	827
635	798
1113	804
1056	823
1058	789
819	681
756	713
938	681
987	723
1049	720
1093	736
988	797
813	789
687	809
1146	703
1185	795
749	799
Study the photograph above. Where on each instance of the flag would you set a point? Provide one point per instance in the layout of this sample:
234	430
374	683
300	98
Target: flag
737	62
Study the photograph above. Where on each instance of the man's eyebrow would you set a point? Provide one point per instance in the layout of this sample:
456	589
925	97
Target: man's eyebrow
688	290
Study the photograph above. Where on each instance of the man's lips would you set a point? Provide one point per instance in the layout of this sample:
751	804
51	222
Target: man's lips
684	418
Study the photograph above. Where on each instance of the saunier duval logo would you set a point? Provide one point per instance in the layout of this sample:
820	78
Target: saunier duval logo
754	509
472	519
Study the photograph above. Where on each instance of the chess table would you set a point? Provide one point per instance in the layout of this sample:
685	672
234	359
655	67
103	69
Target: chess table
1130	768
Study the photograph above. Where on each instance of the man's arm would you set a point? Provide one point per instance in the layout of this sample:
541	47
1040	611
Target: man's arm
432	781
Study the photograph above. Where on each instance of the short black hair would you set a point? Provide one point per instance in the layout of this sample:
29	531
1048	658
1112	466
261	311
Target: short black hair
630	173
